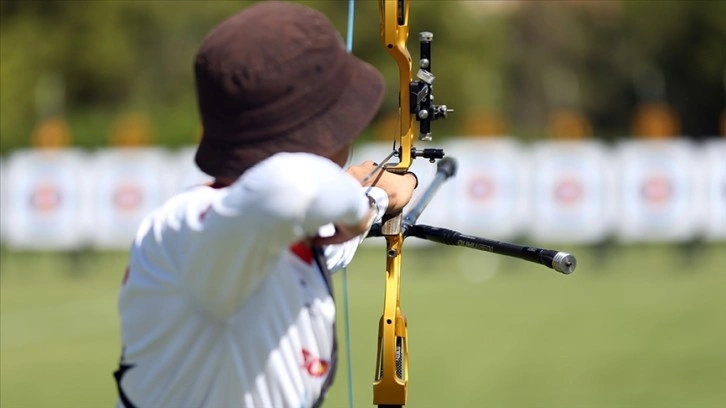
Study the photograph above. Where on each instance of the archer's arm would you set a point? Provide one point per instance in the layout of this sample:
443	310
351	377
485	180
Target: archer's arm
390	194
247	226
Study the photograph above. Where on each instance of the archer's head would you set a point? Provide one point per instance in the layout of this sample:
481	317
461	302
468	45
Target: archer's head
276	77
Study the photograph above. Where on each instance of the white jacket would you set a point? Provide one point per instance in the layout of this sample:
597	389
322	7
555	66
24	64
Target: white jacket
222	307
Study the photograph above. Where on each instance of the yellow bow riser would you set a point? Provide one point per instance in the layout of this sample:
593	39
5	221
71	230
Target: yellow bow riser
415	103
391	377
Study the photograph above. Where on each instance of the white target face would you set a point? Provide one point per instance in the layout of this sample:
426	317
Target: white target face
661	194
573	189
45	200
129	184
714	172
489	195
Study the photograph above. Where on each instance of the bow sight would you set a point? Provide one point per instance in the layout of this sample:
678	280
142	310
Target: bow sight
422	100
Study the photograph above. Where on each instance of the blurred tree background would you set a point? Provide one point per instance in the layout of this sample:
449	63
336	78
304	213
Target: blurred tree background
511	63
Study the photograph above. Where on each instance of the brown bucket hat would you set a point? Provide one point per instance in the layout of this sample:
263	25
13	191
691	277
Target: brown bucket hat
276	78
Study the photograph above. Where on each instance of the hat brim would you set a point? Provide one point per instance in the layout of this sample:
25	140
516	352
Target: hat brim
324	134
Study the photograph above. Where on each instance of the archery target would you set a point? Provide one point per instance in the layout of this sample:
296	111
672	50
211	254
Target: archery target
489	195
189	174
3	198
714	152
44	204
660	191
573	186
129	184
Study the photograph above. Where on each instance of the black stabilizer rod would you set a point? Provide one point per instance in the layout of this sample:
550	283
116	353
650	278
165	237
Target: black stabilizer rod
560	261
445	169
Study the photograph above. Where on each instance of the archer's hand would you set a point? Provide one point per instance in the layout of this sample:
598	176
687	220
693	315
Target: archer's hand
399	187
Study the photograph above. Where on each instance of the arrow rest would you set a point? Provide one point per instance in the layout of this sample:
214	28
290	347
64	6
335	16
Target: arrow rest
431	154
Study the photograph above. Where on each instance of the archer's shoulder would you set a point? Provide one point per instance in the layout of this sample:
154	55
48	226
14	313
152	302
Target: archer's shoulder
294	168
192	200
295	161
180	211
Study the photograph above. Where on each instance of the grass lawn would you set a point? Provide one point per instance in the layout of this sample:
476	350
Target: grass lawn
639	326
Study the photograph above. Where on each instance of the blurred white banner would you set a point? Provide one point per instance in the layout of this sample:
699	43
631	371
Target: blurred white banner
565	192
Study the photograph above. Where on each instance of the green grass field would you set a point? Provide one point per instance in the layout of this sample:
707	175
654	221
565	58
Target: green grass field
641	326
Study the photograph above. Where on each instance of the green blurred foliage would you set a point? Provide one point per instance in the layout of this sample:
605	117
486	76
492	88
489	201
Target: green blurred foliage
523	59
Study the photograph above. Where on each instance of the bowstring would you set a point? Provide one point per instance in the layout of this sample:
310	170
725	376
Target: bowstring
346	307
